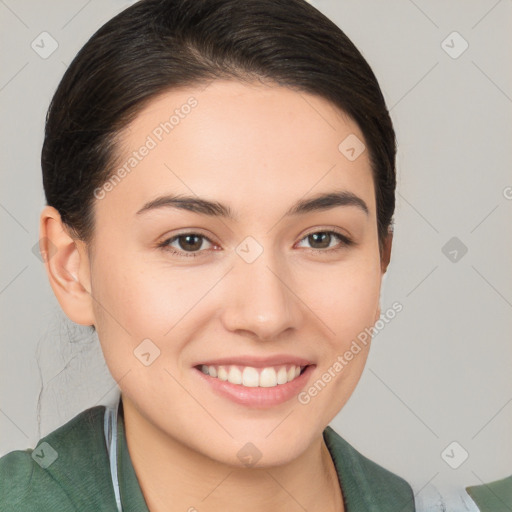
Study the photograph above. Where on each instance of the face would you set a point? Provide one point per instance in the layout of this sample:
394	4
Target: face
253	291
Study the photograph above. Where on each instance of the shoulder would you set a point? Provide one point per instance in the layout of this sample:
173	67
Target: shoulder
59	473
367	485
494	496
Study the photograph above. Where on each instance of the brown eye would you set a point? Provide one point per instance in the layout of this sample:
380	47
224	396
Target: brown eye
185	244
191	242
322	238
322	241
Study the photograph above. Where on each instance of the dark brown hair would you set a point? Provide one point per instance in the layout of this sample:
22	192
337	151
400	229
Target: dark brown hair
157	45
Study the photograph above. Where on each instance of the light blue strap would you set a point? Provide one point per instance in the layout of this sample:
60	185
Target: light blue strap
431	499
110	430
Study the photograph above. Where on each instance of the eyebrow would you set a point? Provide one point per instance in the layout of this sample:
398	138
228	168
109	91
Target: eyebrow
320	202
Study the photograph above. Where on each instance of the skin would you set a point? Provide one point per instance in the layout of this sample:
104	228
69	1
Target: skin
257	148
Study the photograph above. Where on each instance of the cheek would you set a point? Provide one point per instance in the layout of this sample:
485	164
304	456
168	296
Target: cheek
347	303
133	306
127	303
345	297
148	300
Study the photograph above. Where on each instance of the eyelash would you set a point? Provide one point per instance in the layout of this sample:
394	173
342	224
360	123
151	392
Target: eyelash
345	242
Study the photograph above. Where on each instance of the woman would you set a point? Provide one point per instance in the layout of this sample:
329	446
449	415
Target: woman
220	180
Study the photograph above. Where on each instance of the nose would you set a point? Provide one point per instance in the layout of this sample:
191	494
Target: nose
260	300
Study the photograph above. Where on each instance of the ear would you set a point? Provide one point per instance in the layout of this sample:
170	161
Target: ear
67	265
385	258
386	251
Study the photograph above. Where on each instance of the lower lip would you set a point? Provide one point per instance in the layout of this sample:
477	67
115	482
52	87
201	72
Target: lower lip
257	397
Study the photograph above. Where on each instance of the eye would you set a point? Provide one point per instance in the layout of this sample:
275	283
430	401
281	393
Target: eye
188	244
321	241
191	244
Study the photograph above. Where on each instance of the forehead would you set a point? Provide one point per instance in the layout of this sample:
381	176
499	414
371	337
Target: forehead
241	144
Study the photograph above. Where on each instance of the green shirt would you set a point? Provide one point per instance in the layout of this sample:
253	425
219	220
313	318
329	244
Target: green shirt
494	496
69	470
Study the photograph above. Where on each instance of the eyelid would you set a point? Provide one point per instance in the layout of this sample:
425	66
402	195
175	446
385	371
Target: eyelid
166	240
329	229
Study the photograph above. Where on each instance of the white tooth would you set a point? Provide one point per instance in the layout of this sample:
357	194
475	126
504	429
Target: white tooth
250	377
282	376
234	375
268	378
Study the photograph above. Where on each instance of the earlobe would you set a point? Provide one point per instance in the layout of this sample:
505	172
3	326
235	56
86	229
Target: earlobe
67	266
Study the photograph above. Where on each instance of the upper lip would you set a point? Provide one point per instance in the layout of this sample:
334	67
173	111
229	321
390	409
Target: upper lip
257	362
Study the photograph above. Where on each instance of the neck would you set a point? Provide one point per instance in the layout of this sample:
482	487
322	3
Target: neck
169	472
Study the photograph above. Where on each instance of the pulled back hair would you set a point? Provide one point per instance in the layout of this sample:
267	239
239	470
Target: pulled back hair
158	45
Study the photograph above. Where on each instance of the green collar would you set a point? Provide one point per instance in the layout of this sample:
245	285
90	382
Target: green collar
132	499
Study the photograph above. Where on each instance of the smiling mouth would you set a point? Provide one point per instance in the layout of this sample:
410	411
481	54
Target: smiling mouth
248	376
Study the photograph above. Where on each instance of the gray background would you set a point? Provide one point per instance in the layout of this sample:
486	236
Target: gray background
440	371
